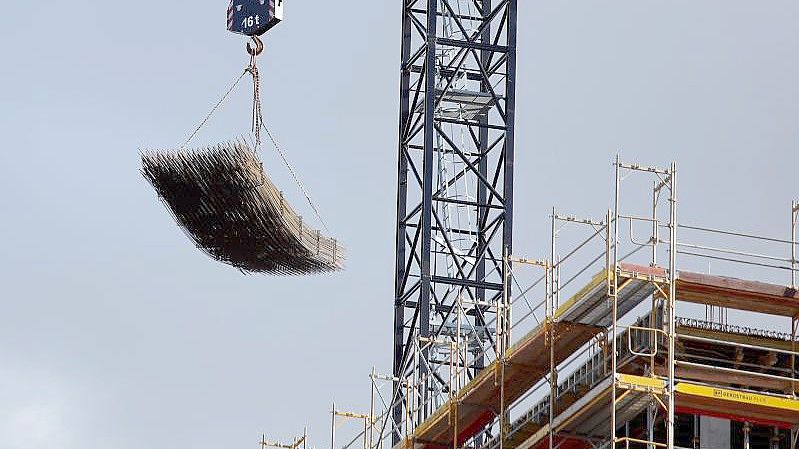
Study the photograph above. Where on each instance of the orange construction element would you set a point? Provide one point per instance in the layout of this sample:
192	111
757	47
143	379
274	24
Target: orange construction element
752	296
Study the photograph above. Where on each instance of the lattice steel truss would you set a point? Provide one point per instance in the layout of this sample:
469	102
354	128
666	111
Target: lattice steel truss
455	198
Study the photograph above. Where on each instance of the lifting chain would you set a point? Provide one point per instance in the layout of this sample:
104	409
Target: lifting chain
255	48
252	69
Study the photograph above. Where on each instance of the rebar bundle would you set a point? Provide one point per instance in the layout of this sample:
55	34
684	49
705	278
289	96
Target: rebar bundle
223	199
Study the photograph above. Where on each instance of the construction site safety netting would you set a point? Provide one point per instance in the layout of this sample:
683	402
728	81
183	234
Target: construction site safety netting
221	196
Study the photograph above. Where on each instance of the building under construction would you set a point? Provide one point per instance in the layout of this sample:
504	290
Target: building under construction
605	340
620	339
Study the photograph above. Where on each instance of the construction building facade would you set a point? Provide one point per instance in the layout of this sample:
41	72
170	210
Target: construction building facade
606	341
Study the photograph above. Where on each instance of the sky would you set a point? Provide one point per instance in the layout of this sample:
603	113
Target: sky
116	332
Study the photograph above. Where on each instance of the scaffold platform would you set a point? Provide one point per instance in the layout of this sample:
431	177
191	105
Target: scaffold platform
584	411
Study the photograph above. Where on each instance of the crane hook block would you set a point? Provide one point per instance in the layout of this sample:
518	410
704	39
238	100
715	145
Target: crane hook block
253	17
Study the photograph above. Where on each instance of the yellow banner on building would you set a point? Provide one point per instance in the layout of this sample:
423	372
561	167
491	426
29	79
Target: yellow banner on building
742	397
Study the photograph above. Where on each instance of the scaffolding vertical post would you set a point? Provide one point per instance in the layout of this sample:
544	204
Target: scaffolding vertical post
650	425
550	320
613	287
794	329
794	322
655	223
503	340
655	240
503	300
502	416
554	290
454	352
794	242
696	440
747	434
608	220
333	427
552	258
557	283
672	302
507	301
372	386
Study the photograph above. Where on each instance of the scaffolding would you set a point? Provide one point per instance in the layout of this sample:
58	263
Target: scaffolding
300	442
613	366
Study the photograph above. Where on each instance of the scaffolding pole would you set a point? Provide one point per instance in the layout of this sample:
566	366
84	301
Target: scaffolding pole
550	318
794	240
666	179
672	302
613	286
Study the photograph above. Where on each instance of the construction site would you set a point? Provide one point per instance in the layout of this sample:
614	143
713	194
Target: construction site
606	339
618	338
607	342
415	224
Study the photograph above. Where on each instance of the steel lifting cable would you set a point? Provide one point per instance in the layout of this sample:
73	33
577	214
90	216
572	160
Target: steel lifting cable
294	175
258	121
213	110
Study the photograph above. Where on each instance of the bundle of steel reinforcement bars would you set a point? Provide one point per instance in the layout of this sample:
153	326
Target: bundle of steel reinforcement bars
222	198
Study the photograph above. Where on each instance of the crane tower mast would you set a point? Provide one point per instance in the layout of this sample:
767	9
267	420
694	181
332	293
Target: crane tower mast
454	198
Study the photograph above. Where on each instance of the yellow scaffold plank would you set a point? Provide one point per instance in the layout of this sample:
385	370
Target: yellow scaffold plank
640	383
598	279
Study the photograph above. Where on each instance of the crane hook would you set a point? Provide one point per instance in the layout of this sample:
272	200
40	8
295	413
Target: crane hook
259	46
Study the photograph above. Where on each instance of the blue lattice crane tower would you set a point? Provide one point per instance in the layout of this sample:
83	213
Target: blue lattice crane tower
454	197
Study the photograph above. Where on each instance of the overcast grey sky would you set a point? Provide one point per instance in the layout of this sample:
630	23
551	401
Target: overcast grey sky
116	332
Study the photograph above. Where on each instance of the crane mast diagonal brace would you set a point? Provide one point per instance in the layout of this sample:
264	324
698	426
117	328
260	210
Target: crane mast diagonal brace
454	197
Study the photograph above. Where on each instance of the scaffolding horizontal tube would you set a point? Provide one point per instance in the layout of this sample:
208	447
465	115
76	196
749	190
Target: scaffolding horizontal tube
736	371
573	219
635	218
738	234
732	251
643	168
743	345
727	259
